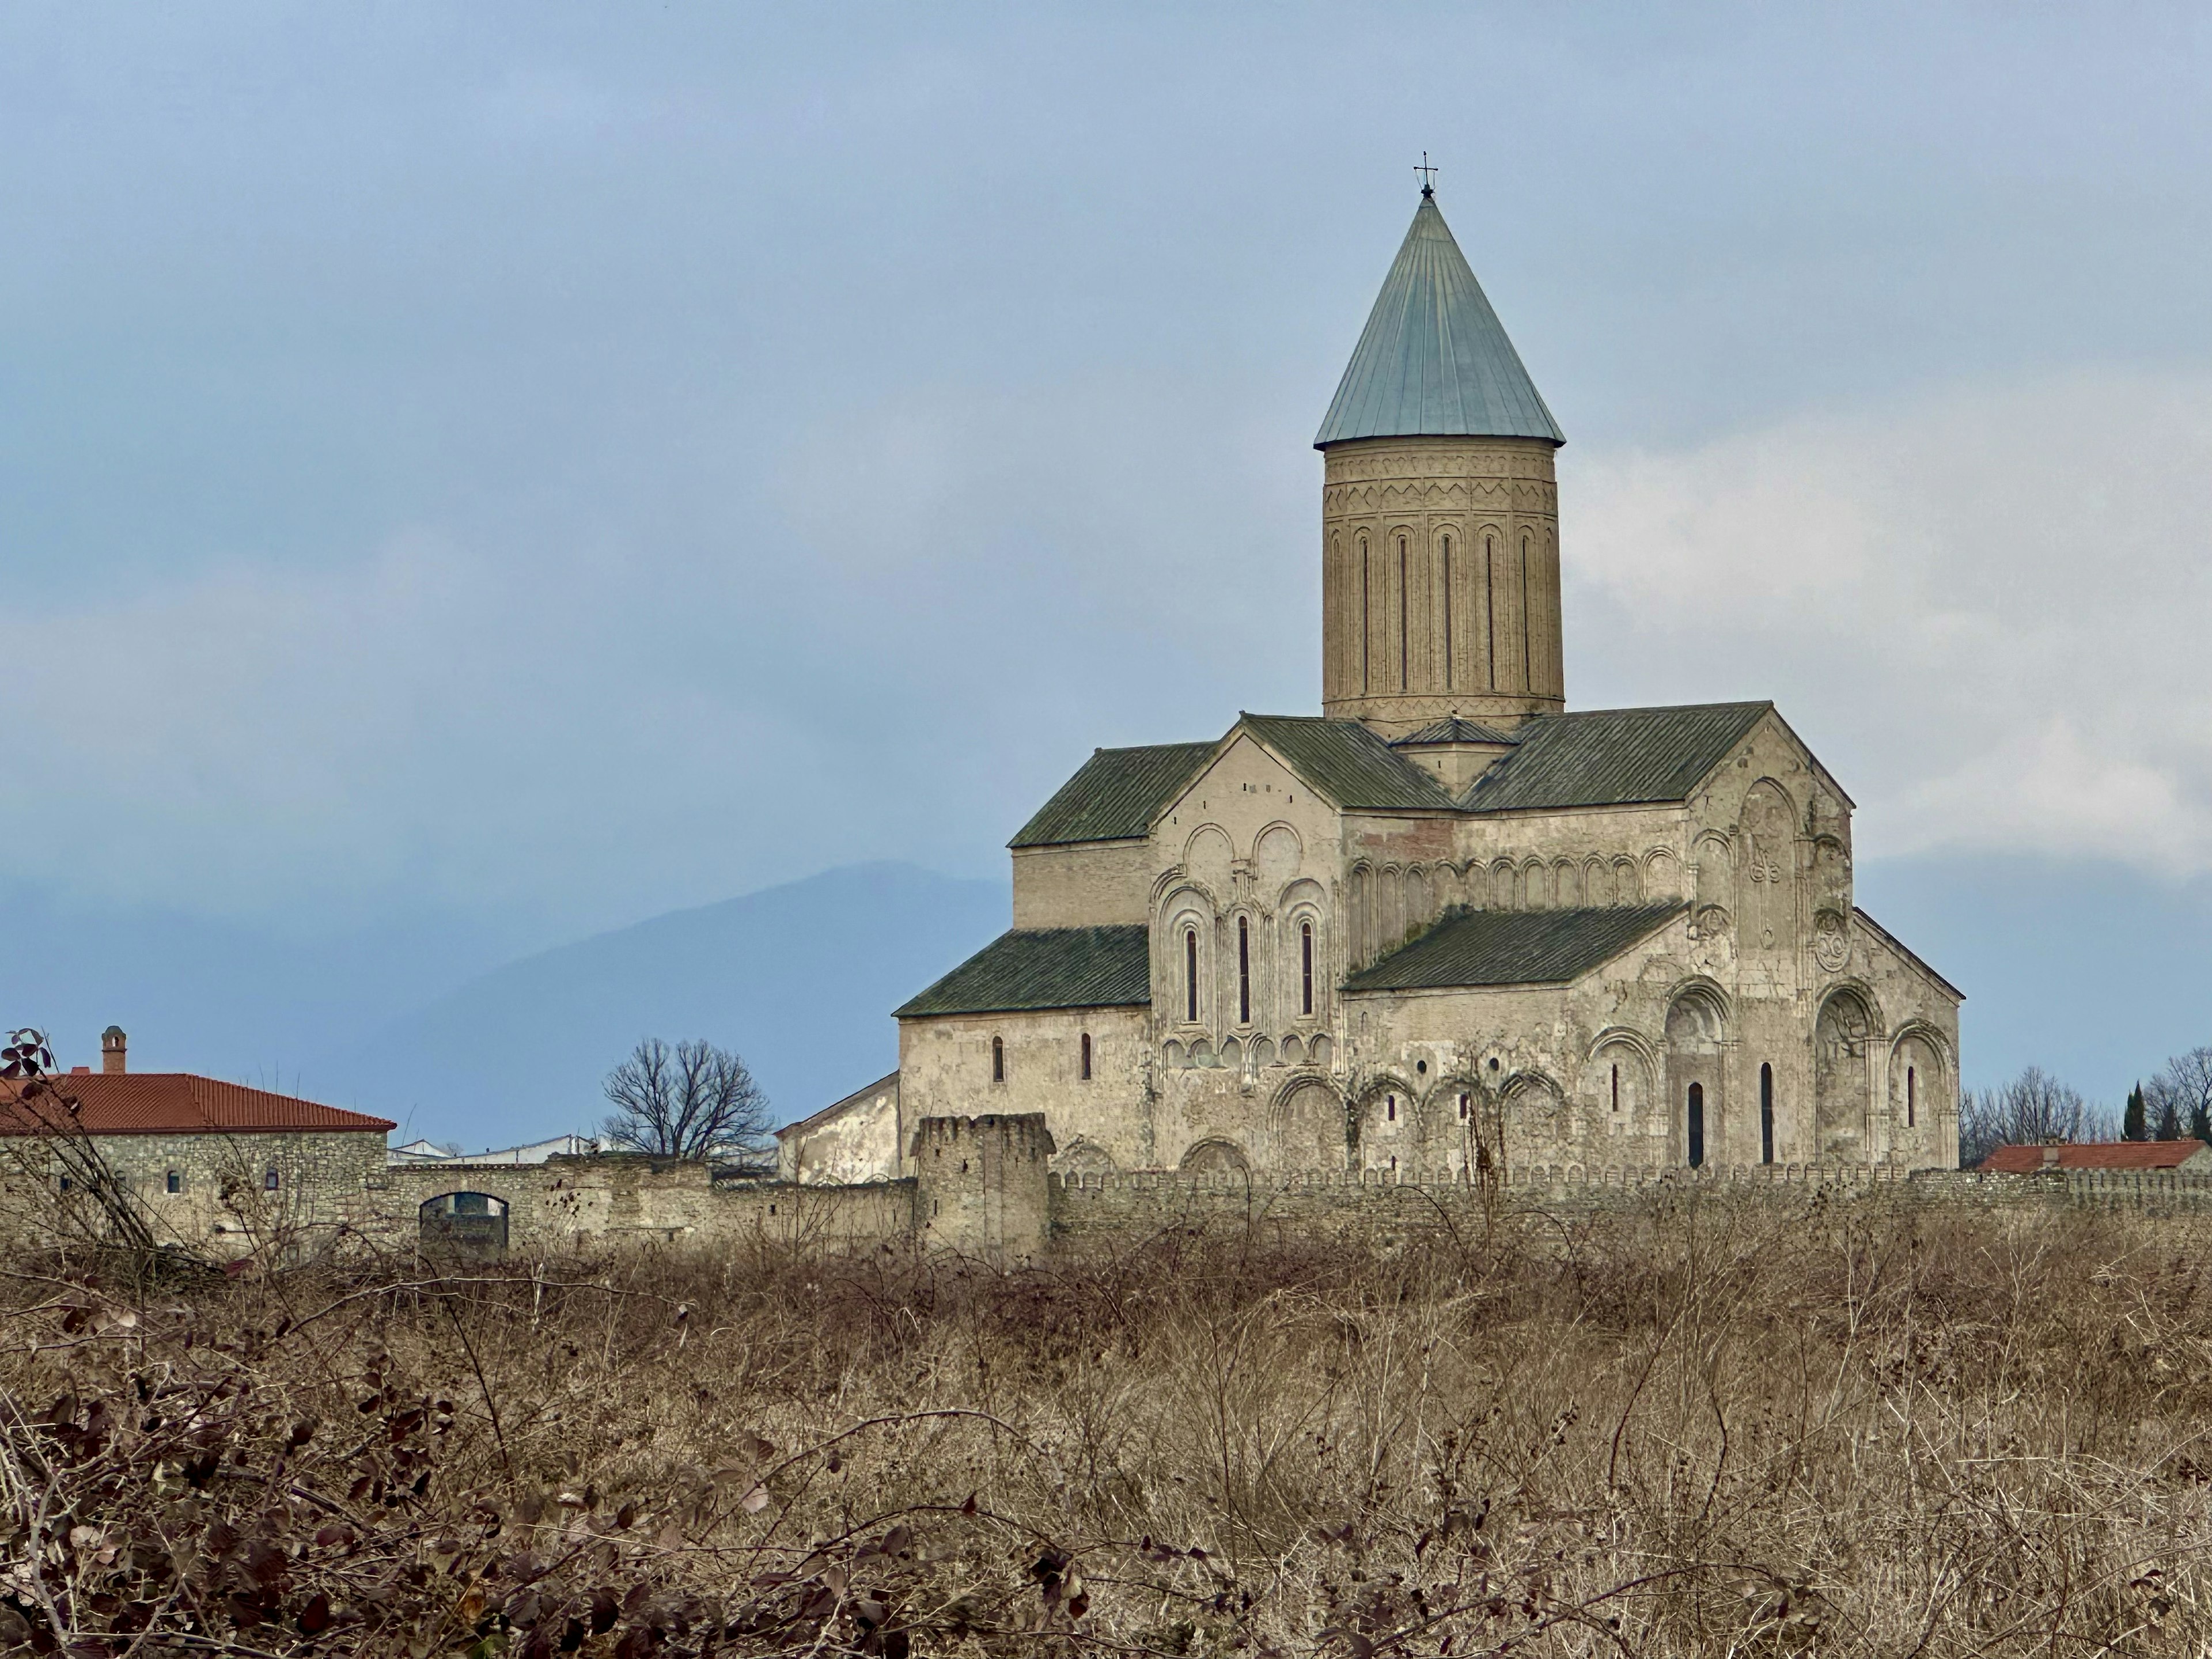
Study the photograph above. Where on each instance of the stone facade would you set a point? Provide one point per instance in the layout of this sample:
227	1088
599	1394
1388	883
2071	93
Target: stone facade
222	1193
853	1141
1807	1033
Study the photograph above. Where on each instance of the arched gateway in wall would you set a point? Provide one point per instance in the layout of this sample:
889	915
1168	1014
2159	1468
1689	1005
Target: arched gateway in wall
472	1222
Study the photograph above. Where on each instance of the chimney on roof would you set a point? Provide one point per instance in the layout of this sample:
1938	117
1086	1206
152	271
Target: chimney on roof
2051	1152
113	1051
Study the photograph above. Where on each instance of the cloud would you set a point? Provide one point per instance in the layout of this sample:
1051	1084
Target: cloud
1987	609
895	632
432	725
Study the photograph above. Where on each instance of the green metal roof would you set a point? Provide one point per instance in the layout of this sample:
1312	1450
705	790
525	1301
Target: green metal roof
1613	757
1114	794
1434	359
1348	764
1512	947
1045	968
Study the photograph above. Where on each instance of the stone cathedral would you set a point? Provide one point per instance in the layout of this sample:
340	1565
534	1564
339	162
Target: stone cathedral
1450	920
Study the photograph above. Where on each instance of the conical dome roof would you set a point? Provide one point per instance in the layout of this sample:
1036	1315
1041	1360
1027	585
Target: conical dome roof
1434	360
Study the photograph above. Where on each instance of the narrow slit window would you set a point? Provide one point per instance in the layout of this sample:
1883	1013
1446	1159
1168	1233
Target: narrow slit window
1086	1056
1616	1088
1404	630
1489	605
1366	629
1243	971
1766	1114
1448	682
1465	1108
998	1059
1190	975
1305	968
1390	1108
1911	1097
1527	667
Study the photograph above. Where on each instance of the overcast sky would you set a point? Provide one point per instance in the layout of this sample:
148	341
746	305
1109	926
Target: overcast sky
570	462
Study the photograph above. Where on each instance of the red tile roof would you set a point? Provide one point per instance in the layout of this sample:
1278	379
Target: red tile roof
2097	1155
176	1103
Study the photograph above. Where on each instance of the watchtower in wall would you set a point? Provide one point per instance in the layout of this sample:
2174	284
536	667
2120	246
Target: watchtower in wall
982	1185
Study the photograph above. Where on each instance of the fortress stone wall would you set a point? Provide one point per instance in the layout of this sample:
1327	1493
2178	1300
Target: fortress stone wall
984	1186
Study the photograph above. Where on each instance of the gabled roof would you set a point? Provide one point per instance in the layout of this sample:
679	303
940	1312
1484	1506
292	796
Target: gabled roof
1114	794
2098	1155
172	1102
1905	950
1348	764
1613	757
882	1086
1433	358
1045	968
1512	947
1454	729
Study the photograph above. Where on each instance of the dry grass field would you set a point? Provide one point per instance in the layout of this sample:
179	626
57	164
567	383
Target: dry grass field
1714	1429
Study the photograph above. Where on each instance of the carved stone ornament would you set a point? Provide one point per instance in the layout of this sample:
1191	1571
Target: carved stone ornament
1832	941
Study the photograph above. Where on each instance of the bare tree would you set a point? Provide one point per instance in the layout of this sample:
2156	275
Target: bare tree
2181	1095
685	1101
2033	1107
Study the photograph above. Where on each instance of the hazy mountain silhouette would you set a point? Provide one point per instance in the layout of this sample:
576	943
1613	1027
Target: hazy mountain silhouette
2095	971
800	979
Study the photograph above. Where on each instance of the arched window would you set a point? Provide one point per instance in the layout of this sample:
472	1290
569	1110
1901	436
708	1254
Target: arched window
1086	1056
1616	1086
1448	615
1403	633
1527	667
1243	971
1766	1114
1190	973
1697	1124
1911	1097
1390	1108
175	1182
1305	968
270	1180
1490	604
998	1059
1366	632
1465	1108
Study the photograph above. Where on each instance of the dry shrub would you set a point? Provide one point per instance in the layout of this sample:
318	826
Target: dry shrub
1697	1429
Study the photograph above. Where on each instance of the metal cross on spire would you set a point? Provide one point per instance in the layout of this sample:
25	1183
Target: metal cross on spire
1428	178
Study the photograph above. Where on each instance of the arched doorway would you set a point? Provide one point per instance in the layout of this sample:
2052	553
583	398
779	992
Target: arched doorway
1211	1158
1309	1129
1842	1074
475	1223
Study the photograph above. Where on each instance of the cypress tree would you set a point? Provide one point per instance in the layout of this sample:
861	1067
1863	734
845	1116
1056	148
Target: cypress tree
2169	1121
2134	1124
2200	1123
